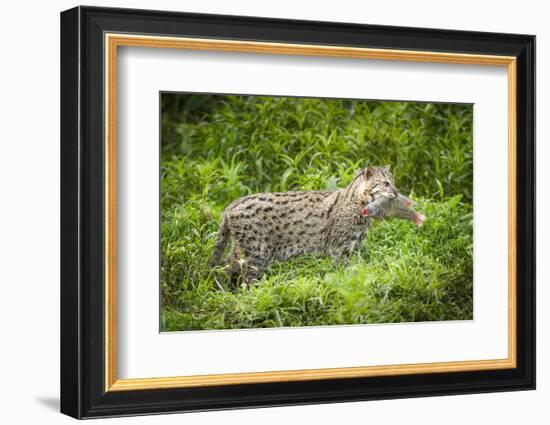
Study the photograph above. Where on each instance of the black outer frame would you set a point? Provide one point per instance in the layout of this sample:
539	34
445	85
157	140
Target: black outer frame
82	212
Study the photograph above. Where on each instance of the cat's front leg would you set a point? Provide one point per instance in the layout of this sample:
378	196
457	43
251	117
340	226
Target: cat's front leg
340	258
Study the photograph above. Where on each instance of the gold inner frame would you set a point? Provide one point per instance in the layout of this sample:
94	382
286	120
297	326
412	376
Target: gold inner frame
113	41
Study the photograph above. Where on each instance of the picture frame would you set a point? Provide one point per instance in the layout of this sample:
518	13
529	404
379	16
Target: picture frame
90	40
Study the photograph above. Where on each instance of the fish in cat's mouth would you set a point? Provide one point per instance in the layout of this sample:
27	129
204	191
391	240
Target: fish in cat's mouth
398	206
383	201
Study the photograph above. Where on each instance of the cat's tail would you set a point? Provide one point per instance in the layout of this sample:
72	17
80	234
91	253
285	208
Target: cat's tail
221	242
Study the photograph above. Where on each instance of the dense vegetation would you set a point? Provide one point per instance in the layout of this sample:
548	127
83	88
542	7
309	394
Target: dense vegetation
218	148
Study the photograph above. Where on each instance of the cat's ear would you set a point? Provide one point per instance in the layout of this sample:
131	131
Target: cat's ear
368	172
386	168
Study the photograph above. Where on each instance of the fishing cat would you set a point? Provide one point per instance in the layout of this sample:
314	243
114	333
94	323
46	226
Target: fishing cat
268	227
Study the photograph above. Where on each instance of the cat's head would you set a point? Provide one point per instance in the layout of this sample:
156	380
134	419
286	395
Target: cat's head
372	183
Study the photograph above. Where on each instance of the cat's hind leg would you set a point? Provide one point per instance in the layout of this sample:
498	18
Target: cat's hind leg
245	267
254	268
256	261
234	266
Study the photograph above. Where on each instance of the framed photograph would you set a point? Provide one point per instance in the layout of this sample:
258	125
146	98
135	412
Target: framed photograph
261	212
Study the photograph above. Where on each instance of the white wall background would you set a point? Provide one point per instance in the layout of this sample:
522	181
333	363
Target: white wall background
29	224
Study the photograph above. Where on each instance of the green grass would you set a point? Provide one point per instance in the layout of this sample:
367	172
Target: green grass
217	148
